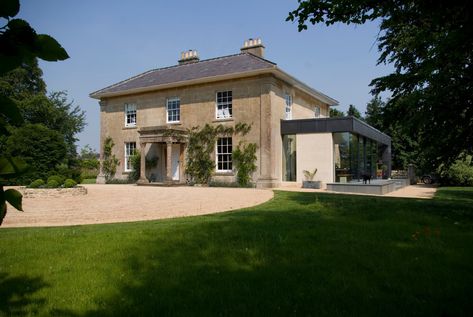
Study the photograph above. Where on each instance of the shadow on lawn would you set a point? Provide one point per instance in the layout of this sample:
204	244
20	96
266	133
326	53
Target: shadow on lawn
18	292
280	263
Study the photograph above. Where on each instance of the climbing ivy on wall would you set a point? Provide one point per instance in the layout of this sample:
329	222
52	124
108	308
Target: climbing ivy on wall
110	162
199	164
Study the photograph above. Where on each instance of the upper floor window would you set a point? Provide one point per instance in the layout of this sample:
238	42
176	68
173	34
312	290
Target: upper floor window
224	105
288	112
130	150
173	109
317	112
130	115
224	155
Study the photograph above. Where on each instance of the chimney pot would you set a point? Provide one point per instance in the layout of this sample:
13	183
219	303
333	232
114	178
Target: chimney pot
187	57
253	46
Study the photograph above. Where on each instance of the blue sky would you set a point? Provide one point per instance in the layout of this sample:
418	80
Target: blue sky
109	41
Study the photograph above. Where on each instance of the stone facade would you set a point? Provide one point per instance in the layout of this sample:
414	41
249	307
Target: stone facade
258	100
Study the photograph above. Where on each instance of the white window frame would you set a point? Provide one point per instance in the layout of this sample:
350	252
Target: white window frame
224	151
224	100
288	107
130	113
173	101
129	151
317	112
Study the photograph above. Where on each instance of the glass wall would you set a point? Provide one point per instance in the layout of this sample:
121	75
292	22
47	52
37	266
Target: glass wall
289	158
355	156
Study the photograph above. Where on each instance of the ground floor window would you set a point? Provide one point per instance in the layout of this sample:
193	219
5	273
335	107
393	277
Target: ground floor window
224	155
130	150
289	158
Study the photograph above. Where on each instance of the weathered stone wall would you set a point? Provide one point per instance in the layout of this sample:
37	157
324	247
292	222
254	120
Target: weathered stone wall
257	100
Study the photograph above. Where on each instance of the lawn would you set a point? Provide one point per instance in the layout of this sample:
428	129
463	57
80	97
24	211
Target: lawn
298	254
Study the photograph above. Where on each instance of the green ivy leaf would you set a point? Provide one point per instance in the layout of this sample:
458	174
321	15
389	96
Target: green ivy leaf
9	8
12	166
10	110
14	197
49	49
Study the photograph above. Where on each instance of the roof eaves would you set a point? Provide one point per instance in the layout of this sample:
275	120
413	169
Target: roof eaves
304	87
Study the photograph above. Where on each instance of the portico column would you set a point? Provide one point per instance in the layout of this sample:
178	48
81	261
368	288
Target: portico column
169	161
142	163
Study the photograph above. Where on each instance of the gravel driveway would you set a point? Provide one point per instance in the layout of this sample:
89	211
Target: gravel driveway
123	203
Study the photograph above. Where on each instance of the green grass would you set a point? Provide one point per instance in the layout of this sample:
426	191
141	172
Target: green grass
299	254
88	181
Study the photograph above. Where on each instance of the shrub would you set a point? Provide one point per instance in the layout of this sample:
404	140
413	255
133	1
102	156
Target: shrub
37	183
459	173
69	183
57	178
53	184
86	173
65	171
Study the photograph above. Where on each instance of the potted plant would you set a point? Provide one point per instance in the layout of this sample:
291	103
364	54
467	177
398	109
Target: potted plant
309	182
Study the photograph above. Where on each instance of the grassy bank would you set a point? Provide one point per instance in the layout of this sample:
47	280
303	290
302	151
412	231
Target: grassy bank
298	254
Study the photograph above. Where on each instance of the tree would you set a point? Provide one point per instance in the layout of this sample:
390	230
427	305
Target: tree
374	113
88	158
430	45
336	113
352	111
19	44
23	81
41	148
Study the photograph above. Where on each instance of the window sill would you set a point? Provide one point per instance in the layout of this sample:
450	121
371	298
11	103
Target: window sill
174	123
129	127
223	120
222	173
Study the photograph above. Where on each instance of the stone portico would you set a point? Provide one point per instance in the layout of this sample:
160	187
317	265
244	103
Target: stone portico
169	143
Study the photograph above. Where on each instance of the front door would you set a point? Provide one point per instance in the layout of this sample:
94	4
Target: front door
176	152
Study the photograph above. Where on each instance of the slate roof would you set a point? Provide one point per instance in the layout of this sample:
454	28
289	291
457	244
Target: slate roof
226	65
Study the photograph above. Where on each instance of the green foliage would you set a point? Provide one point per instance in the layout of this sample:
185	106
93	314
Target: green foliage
374	113
353	112
88	158
69	183
134	174
57	178
200	165
19	45
41	148
53	184
309	175
110	162
460	173
37	183
69	172
89	181
336	113
429	44
244	159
